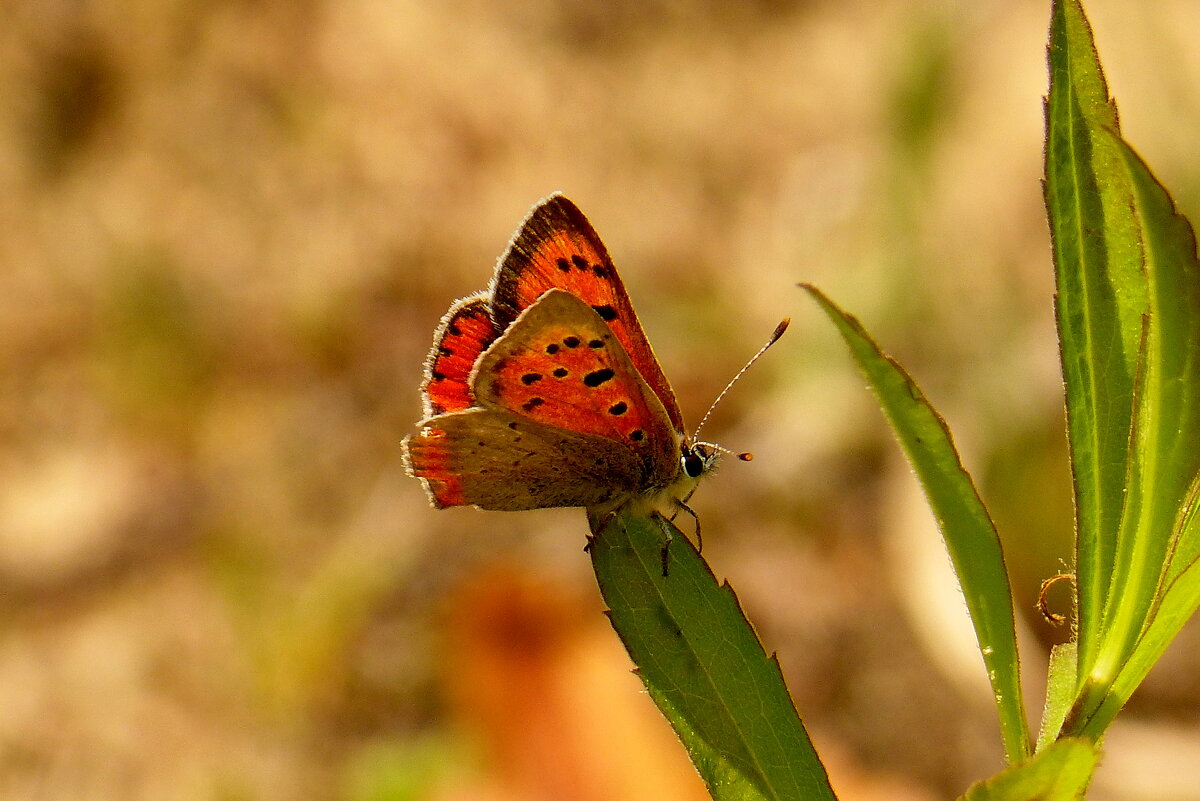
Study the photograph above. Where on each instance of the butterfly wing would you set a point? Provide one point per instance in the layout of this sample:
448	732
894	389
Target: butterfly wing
557	248
497	460
560	365
463	334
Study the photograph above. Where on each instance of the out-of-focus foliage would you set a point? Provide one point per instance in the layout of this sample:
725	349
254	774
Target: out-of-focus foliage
227	231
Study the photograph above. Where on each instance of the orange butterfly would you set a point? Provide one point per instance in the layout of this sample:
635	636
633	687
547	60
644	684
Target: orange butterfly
543	391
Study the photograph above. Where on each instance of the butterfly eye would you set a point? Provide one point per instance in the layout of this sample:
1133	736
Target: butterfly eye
694	460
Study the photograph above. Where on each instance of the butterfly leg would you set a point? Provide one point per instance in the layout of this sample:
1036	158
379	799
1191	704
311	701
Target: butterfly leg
666	527
597	522
680	506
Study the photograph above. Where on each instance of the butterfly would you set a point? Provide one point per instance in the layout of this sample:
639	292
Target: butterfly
543	391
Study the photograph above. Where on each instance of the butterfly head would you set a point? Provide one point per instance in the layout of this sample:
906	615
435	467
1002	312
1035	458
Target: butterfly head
696	460
699	458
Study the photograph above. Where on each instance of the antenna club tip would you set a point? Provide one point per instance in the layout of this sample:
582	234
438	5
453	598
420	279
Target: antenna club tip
746	456
779	329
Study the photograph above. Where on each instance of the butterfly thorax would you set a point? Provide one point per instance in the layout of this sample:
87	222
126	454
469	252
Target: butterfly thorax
696	460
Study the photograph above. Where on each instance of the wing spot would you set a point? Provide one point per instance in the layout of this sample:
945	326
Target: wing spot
607	313
454	330
572	342
437	376
513	425
552	348
530	378
580	262
564	265
532	404
500	364
637	435
561	372
599	271
598	377
618	408
443	350
596	343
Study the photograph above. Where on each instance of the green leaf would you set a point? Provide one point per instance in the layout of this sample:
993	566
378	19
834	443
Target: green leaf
1060	692
1178	603
1059	773
1169	418
1165	447
969	532
703	665
1129	322
1100	301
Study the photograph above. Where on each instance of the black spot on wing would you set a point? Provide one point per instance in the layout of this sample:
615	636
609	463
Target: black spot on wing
598	377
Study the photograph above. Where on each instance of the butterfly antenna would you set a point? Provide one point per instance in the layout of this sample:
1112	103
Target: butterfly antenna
779	329
745	456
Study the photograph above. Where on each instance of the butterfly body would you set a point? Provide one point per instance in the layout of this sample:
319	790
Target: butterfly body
544	392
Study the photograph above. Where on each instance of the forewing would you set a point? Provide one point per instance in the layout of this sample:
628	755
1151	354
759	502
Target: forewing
559	365
557	248
496	460
463	334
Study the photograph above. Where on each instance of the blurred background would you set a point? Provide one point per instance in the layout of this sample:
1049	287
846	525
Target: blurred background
227	231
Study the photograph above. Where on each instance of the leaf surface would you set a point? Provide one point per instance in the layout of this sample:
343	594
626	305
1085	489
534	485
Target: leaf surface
703	664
